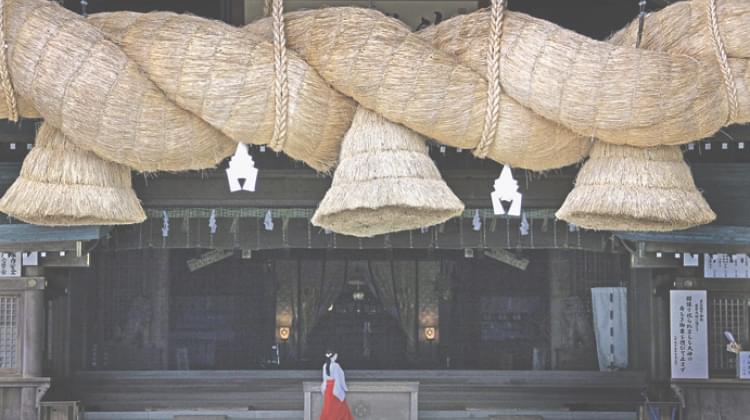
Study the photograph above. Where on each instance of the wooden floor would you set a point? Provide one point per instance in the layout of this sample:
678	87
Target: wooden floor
282	390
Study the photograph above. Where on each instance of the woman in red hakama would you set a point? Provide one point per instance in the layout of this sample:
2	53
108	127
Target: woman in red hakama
334	391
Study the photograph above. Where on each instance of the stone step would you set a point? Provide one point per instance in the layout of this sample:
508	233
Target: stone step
193	415
423	415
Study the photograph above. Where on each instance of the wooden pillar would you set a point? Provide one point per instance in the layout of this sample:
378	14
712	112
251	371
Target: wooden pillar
428	300
22	386
33	328
559	288
159	293
572	344
642	334
233	11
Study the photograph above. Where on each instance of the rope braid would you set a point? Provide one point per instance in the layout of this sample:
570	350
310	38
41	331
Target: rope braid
281	80
494	90
7	84
721	56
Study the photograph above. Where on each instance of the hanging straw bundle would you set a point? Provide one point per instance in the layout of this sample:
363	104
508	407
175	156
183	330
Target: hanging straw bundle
632	189
385	182
62	185
676	209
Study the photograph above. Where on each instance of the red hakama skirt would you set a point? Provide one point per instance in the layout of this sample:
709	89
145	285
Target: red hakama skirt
333	408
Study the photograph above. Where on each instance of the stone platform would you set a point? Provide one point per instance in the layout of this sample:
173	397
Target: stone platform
370	400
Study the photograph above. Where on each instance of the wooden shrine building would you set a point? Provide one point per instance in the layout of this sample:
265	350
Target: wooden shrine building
223	303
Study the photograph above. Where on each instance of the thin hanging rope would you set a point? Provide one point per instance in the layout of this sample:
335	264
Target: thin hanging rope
494	90
281	80
7	84
721	55
641	21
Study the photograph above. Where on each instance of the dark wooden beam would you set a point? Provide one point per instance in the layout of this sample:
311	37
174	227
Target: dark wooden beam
725	189
8	173
301	188
21	132
724	186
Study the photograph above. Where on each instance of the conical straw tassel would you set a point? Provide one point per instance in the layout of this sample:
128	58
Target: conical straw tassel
62	185
385	182
625	188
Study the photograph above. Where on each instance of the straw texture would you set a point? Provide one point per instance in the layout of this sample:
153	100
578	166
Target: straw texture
169	92
385	182
85	86
63	185
632	189
617	94
385	67
226	77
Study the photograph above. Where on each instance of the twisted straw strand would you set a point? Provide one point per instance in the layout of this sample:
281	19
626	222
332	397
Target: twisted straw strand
721	56
494	90
7	85
281	80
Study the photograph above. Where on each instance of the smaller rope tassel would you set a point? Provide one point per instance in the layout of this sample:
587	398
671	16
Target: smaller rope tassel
494	90
721	56
281	80
7	85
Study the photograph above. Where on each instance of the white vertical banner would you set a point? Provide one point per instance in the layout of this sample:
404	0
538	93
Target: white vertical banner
30	259
743	365
689	330
610	308
10	264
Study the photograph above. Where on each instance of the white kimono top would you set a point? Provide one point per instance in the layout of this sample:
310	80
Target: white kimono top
339	386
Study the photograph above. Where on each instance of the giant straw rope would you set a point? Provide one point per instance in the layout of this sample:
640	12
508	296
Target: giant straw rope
161	91
594	89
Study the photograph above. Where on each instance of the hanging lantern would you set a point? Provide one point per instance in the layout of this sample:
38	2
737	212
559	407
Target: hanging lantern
63	185
626	188
385	182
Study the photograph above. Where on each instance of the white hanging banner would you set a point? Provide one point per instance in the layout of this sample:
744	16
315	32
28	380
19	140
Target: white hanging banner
743	365
720	266
743	265
524	226
242	166
476	221
610	310
690	260
268	221
10	264
689	331
506	190
30	259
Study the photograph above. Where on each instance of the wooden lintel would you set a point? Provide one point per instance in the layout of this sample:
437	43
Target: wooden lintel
300	188
66	260
652	261
22	132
